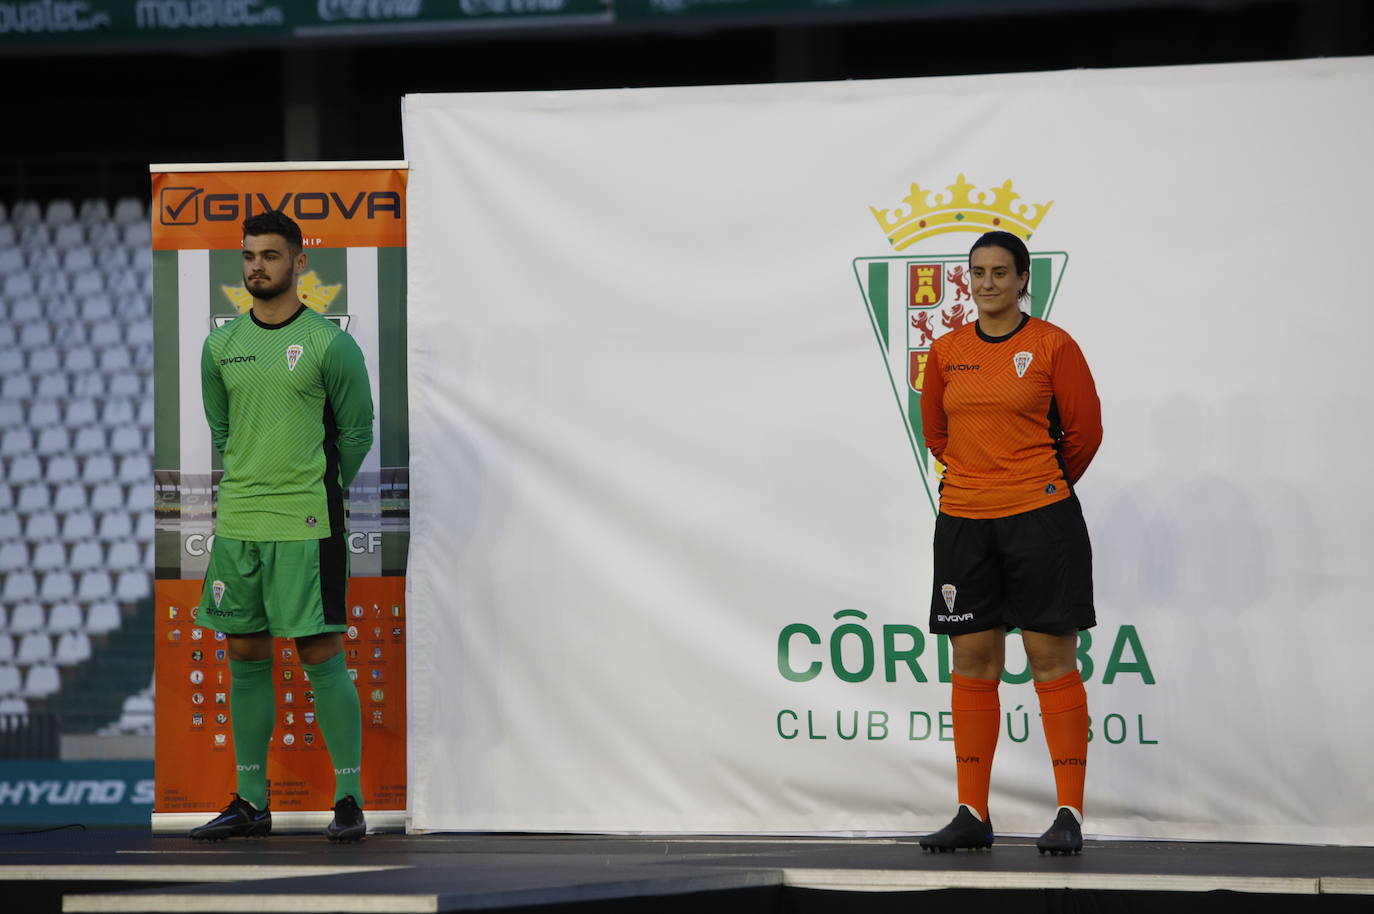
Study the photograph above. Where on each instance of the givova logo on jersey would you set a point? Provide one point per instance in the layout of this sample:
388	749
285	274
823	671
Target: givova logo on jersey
921	291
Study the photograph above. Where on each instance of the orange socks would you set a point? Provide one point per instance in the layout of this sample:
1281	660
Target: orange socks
977	724
1064	712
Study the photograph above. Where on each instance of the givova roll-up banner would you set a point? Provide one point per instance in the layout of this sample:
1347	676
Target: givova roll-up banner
671	565
352	216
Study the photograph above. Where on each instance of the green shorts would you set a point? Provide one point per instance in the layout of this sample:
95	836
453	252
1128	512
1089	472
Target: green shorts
291	589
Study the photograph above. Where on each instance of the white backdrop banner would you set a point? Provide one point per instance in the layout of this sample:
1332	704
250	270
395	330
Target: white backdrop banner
671	534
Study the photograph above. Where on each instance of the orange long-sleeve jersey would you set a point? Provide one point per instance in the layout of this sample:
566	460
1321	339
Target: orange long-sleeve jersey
1014	419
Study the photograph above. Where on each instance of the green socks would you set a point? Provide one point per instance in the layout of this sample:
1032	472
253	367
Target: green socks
253	709
336	709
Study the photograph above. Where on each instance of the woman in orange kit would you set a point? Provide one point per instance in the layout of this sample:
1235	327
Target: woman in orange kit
1009	407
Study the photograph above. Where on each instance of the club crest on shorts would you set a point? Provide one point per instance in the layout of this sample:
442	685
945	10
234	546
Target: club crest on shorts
293	355
948	591
920	289
217	590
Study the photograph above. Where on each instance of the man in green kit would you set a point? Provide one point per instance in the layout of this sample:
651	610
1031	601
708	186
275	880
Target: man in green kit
290	409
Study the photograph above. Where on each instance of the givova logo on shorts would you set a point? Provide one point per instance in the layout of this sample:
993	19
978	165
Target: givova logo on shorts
921	294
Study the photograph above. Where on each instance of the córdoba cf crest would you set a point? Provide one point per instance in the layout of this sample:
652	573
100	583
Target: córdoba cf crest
217	589
293	355
923	293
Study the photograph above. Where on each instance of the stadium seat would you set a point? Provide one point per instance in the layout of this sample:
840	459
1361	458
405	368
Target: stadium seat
76	256
81	410
16	441
57	585
49	556
98	468
106	496
103	617
108	332
78	526
62	469
6	498
39	526
8	336
19	586
125	384
35	647
9	525
33	335
73	648
35	236
126	439
128	209
34	498
135	469
111	258
43	413
27	309
44	361
11	260
18	285
25	469
69	497
95	587
78	360
144	527
93	210
102	235
54	283
71	236
123	556
26	617
129	281
52	441
60	211
116	412
133	586
65	617
139	498
43	260
115	358
89	440
148	558
14	707
140	334
134	235
115	525
53	386
11	413
86	556
6	647
14	556
8	236
10	682
12	361
42	680
87	282
137	714
26	212
95	307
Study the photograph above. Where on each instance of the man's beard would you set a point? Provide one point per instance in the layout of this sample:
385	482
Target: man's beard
268	292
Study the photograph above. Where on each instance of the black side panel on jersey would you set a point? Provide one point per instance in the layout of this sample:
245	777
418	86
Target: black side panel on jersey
1057	436
334	548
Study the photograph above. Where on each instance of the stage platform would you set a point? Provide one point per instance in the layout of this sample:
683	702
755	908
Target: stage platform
129	871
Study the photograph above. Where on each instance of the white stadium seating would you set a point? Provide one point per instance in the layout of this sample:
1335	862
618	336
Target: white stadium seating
76	417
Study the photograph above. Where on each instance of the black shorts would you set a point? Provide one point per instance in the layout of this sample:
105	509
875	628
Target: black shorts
1032	571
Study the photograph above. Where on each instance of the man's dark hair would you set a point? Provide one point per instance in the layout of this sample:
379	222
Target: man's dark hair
1013	246
275	222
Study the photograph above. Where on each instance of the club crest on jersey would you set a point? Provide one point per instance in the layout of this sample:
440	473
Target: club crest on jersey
949	592
919	290
217	591
293	355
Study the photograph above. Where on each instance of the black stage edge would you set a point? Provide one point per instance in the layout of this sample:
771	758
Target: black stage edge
132	871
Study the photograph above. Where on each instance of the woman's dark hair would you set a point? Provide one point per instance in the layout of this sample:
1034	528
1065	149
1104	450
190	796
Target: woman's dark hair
274	222
1010	243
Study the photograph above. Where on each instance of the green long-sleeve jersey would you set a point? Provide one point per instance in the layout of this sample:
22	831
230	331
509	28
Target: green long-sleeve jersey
290	409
